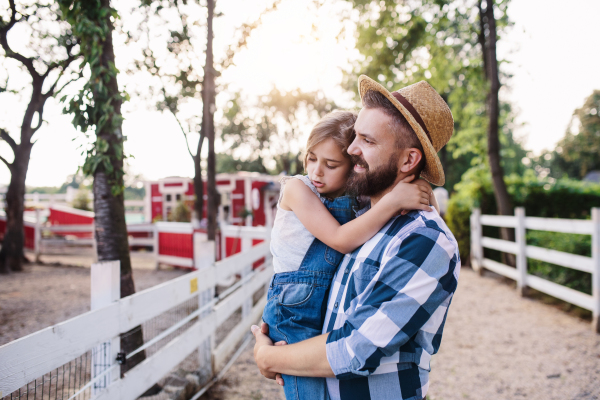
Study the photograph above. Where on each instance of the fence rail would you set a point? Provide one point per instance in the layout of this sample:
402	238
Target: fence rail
27	359
523	251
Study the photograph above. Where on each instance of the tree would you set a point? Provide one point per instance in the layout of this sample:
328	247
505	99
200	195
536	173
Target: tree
97	107
487	40
50	72
578	152
268	133
181	81
437	41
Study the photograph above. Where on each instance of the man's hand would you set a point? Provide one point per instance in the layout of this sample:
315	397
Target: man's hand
262	340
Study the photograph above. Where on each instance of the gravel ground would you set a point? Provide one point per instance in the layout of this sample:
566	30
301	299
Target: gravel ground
496	345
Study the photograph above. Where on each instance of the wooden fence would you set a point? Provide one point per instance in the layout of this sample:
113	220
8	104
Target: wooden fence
523	251
26	359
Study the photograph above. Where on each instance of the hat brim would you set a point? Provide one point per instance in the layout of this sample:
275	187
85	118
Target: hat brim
433	171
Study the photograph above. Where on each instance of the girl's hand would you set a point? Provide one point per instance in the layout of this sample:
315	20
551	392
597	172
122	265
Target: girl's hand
406	196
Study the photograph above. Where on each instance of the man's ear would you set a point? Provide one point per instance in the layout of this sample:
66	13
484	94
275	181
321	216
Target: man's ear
410	159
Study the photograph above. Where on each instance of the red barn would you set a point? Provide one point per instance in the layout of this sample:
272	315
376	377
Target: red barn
243	197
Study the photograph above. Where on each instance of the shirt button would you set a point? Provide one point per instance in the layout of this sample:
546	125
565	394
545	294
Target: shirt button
346	271
335	305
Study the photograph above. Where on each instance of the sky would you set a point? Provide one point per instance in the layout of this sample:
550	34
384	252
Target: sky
550	51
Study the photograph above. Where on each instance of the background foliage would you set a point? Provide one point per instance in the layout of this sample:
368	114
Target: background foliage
548	198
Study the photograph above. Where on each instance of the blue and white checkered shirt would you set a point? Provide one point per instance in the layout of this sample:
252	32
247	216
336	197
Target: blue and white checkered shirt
387	308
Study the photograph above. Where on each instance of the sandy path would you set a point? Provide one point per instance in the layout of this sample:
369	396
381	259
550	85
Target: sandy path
496	345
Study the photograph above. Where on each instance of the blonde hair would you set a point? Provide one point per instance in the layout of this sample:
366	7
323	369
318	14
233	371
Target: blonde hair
337	125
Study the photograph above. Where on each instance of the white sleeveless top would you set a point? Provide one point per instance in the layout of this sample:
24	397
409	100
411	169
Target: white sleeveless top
290	240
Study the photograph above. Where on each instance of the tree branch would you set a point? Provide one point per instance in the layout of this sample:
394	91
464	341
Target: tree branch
8	139
63	64
246	29
40	112
27	62
184	134
482	38
8	165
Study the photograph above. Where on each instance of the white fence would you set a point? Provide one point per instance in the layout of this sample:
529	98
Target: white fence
523	251
33	356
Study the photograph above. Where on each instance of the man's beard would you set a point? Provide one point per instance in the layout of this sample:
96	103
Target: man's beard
371	183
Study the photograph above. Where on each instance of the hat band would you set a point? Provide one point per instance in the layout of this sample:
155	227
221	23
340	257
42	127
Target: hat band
412	112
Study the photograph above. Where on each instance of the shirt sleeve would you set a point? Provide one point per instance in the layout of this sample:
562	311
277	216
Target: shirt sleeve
407	295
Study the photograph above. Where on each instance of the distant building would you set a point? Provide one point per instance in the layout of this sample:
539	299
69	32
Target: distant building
243	197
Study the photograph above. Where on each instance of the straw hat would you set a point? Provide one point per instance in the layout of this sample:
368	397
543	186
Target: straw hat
429	116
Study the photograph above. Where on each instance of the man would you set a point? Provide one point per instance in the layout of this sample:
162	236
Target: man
389	299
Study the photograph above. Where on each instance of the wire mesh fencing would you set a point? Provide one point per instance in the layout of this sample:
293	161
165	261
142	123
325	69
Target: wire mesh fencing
63	382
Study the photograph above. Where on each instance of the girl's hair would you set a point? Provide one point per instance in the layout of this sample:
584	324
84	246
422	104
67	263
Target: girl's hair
337	125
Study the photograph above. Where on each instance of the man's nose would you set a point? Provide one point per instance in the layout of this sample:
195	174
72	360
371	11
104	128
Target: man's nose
353	148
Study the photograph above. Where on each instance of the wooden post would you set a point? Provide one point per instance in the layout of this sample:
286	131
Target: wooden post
247	305
155	244
596	273
105	289
476	249
37	233
204	259
520	234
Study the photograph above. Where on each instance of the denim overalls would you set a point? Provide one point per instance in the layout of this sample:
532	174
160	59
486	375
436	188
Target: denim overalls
297	301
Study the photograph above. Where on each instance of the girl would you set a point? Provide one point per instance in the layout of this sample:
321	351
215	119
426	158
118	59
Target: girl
313	228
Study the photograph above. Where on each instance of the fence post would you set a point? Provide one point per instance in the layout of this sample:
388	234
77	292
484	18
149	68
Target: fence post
247	305
94	242
596	273
37	235
105	289
155	244
521	239
476	249
204	259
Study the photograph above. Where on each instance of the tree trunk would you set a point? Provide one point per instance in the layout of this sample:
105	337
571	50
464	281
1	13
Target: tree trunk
198	183
209	94
109	210
501	195
11	255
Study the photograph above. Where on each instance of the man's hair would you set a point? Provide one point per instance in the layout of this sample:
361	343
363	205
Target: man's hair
337	125
404	134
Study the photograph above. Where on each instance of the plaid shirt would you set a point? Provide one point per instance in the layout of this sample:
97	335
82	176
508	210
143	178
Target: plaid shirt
387	308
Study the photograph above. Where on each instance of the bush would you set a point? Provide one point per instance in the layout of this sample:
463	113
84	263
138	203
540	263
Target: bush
569	243
547	198
82	200
181	213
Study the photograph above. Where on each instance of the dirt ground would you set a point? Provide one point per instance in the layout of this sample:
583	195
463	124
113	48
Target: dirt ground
496	344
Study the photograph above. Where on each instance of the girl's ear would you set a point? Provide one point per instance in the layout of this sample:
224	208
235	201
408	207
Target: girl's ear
410	159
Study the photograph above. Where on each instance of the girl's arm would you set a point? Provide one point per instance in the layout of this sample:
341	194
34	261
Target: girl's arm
315	217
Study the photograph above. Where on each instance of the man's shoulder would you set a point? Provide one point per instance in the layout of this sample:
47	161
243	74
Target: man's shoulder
424	231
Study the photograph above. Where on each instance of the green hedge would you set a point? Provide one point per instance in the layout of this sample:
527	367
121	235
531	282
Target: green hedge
541	198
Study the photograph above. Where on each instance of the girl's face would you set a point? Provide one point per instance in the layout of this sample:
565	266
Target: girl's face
327	168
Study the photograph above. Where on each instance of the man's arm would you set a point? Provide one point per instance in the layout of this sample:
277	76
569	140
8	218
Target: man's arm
409	293
306	358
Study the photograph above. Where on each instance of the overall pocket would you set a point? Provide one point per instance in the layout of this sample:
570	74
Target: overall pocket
295	294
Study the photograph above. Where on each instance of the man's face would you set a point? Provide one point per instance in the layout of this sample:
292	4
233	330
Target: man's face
374	153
